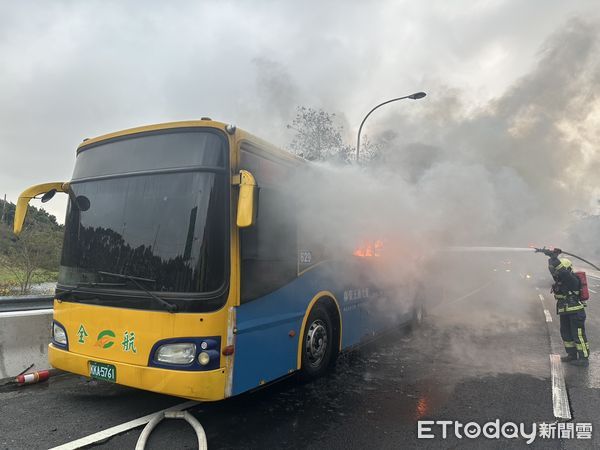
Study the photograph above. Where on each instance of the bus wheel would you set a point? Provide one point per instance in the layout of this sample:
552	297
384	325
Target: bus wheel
317	343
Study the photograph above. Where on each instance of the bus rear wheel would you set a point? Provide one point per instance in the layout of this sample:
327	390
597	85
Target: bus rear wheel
317	344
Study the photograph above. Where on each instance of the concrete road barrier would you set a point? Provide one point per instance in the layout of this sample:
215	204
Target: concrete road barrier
24	339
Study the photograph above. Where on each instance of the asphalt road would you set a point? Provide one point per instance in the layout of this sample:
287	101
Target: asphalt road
481	357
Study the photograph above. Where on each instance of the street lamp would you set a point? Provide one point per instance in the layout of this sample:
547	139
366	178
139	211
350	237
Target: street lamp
415	96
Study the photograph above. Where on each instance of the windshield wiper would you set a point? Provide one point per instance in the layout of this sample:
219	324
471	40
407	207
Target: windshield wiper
136	280
65	292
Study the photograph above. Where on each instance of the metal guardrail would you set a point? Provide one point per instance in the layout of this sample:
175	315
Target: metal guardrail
26	303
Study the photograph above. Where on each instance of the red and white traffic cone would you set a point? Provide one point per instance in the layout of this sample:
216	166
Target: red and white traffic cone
33	377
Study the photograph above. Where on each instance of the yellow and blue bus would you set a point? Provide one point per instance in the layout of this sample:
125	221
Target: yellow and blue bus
187	270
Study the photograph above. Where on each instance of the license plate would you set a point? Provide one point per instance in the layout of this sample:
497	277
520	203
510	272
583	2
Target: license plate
101	371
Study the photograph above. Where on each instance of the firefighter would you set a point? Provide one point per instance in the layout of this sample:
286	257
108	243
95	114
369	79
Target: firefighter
569	308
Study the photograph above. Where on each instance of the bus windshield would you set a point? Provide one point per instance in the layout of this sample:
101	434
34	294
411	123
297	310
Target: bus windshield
166	223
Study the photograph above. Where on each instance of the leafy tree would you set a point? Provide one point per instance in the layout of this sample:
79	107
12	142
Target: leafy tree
30	254
35	250
318	137
36	216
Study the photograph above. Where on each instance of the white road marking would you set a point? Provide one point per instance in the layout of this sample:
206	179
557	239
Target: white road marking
593	291
542	300
118	429
29	312
537	288
560	401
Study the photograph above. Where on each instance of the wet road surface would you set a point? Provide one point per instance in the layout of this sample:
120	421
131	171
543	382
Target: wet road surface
479	358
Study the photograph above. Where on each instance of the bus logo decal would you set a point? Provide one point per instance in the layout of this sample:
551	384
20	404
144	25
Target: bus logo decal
82	334
105	339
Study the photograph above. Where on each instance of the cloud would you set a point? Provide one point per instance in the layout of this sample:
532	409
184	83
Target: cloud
74	70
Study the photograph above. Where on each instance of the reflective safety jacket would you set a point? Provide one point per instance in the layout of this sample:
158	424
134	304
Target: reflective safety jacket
567	302
566	288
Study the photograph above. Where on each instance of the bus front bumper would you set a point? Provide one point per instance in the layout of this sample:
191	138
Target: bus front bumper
194	385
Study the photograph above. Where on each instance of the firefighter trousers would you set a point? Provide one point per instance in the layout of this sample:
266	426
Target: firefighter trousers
572	332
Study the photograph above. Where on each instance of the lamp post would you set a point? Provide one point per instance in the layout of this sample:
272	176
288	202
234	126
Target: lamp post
415	96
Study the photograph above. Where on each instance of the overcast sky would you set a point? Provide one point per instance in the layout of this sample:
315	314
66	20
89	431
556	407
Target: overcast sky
70	70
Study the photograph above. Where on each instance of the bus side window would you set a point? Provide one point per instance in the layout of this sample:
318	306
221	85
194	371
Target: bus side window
269	247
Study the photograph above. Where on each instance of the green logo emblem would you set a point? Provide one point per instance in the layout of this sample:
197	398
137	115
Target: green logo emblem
105	339
82	334
129	342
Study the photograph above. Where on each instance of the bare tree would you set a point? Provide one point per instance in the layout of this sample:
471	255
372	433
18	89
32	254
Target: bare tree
369	150
318	137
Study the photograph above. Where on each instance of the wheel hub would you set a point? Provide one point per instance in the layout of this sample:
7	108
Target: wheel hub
316	342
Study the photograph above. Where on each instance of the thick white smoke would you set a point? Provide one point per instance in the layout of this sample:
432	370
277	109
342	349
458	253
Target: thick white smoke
509	173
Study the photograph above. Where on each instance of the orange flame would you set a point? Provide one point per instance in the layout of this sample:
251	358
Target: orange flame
369	249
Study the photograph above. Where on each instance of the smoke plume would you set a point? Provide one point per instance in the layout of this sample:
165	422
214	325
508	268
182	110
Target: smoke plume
509	173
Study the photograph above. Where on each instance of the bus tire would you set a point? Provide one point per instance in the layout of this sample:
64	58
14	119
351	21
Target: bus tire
318	343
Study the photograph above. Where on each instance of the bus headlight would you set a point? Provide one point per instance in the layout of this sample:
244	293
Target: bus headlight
182	353
204	358
59	335
200	353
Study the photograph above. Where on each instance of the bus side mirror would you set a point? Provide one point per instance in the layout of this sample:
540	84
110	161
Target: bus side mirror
247	200
48	189
48	195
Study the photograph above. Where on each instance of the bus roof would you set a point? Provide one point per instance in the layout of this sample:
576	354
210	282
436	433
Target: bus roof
240	134
274	150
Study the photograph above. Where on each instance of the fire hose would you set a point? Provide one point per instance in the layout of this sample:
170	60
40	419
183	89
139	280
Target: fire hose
558	251
202	444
